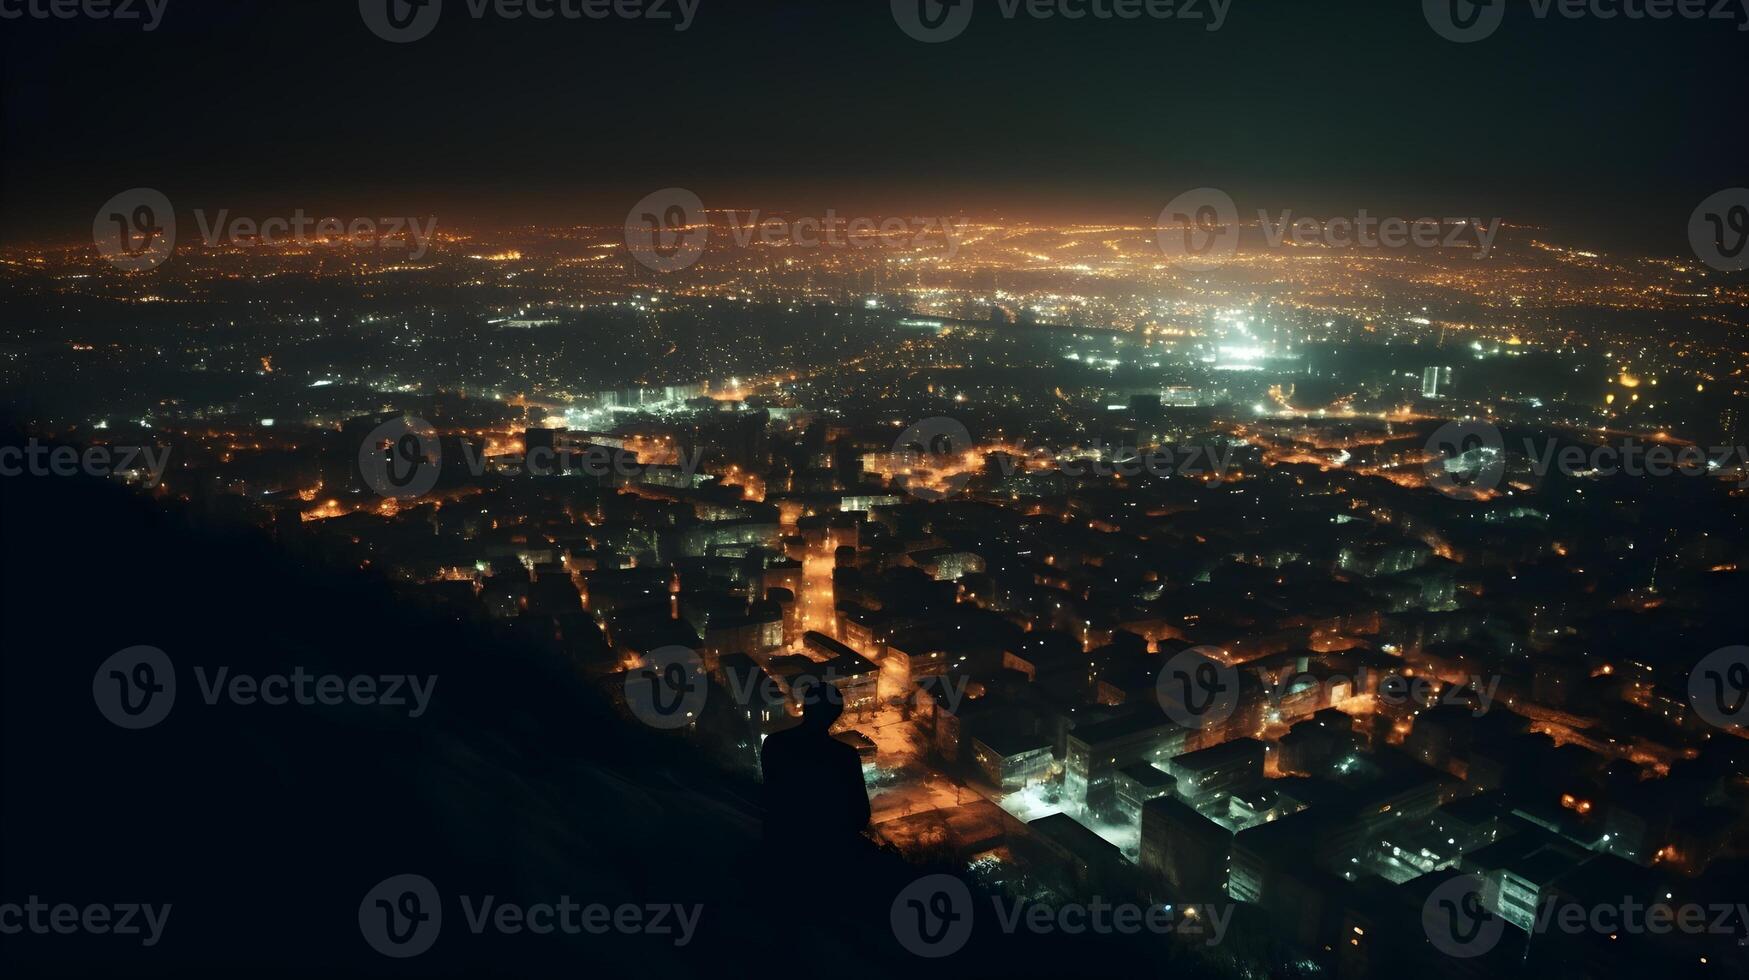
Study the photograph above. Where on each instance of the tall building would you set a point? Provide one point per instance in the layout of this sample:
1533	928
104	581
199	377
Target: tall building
1185	849
1432	378
546	440
1211	774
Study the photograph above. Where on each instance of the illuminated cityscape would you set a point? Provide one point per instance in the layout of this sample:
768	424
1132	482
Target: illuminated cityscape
1320	602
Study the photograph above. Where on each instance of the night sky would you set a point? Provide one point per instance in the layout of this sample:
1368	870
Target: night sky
1612	130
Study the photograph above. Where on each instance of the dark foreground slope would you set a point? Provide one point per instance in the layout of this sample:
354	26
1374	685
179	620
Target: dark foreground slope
264	827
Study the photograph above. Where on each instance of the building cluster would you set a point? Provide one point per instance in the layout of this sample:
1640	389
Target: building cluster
1422	685
1417	684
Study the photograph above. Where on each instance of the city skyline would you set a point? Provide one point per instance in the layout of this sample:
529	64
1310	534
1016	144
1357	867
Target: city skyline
1210	488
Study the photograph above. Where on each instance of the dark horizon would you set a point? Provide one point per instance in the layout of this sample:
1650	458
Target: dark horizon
1611	130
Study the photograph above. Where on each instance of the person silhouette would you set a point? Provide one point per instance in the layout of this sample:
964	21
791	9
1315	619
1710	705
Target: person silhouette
815	796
